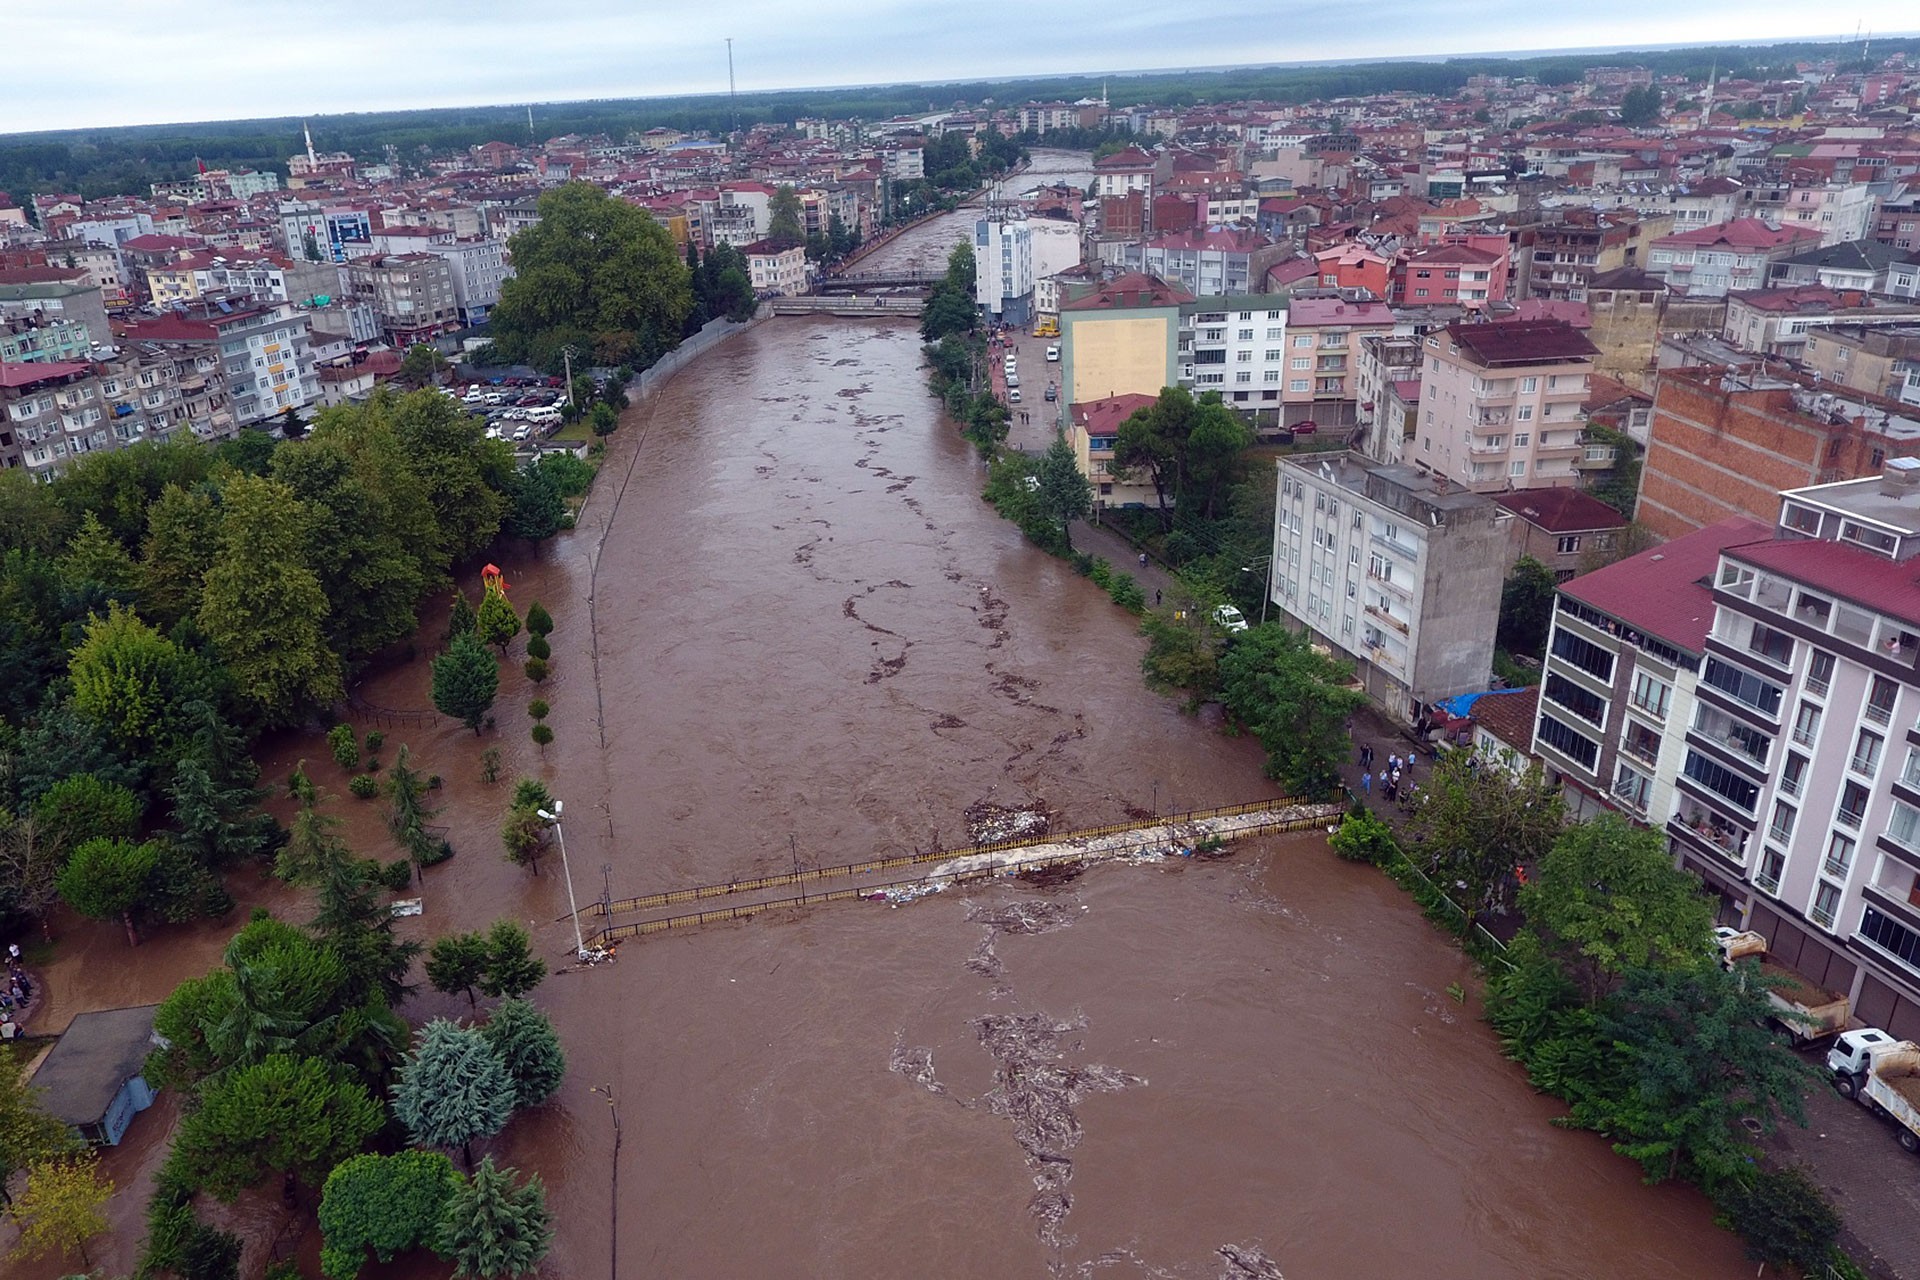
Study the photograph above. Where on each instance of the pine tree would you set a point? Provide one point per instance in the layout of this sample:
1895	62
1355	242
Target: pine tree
408	816
512	968
457	962
465	679
526	1045
95	555
453	1089
460	617
495	1229
496	622
539	621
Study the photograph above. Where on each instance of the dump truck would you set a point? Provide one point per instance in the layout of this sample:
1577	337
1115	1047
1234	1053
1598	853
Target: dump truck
1881	1074
1801	1008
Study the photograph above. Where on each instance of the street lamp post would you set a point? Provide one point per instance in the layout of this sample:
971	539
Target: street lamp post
1268	593
567	353
566	870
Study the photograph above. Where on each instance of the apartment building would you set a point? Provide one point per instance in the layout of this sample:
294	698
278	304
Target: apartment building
1004	277
1799	796
1203	261
1561	257
42	294
50	414
1623	656
772	268
1237	346
1500	404
410	293
1092	430
1387	392
1711	262
1325	330
26	341
1119	337
1878	361
1395	569
260	353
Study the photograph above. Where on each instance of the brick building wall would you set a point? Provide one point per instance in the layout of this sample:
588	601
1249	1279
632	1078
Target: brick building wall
1717	452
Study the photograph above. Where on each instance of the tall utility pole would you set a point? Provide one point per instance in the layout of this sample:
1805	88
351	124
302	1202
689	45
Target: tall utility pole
733	105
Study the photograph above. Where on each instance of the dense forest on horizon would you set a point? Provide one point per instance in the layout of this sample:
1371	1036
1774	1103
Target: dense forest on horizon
126	160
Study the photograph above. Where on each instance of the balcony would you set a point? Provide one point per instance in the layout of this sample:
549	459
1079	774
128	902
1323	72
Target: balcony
1374	611
1565	449
1486	448
1697	823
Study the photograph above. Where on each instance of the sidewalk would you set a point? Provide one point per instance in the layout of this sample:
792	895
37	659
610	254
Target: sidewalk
1098	540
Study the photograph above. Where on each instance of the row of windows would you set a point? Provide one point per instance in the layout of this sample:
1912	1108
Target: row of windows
1722	781
1584	654
1569	743
1742	686
1576	699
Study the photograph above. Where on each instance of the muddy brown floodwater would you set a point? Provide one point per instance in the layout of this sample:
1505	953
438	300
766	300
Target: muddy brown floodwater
815	642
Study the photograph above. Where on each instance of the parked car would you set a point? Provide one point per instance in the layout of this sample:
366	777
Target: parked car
1053	392
1013	379
1306	428
1013	395
1230	618
1053	354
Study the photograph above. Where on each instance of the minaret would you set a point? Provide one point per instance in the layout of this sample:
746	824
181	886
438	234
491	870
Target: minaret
1706	108
311	158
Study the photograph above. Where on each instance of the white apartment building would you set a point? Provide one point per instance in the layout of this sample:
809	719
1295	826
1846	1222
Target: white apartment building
1003	268
1236	345
1398	571
1500	404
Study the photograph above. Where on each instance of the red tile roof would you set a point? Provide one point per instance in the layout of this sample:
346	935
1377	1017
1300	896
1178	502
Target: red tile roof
1562	510
1868	580
1103	417
1663	592
42	275
25	375
1306	312
1740	233
1508	715
1135	289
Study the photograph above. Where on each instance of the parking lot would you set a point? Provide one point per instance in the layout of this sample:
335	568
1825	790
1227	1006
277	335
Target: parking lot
1036	374
516	409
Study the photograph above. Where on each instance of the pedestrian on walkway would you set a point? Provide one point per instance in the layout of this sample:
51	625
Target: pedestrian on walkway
1143	559
1411	757
1156	597
1390	788
1366	783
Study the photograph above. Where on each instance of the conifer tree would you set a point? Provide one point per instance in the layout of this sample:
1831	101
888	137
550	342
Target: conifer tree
525	1043
453	1088
465	679
496	623
494	1228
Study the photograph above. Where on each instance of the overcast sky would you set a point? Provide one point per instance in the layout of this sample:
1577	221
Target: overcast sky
106	62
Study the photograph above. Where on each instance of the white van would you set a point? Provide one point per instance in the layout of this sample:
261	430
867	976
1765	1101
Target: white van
545	417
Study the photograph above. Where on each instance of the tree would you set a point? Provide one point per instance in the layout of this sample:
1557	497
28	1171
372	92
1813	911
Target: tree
286	1115
1153	441
493	1228
1295	700
1213	454
460	616
1640	106
465	679
1526	608
463	474
512	968
542	735
522	835
457	962
524	1041
83	807
1785	1218
592	265
29	863
217	823
538	510
785	227
603	420
453	1089
388	1204
496	623
423	365
28	1135
408	812
1608	900
263	608
133	682
1064	495
59	1208
95	555
1474	824
107	880
182	540
539	621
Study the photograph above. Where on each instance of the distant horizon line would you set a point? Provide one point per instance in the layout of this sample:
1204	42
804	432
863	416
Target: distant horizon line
1134	73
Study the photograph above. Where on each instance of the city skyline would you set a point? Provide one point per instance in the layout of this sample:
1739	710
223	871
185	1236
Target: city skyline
125	68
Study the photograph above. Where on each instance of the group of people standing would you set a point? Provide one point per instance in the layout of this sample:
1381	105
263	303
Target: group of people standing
1390	774
13	999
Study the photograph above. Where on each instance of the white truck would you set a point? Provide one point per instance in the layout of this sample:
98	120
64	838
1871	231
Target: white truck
1881	1074
1801	1008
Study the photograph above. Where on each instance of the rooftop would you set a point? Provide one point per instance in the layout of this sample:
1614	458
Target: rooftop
1361	475
26	375
1868	580
1309	310
1663	592
1136	289
1508	715
1867	499
1740	233
98	1053
1521	342
1103	417
1562	510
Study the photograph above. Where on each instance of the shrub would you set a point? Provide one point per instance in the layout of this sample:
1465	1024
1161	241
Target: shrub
538	708
1784	1218
1082	563
1127	594
397	875
434	782
364	786
372	765
539	621
542	735
490	765
345	744
536	669
1101	573
437	852
537	647
1364	838
375	740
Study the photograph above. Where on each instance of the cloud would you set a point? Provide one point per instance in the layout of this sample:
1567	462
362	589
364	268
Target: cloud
104	62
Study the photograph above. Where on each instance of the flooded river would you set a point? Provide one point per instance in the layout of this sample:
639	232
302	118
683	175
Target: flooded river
815	643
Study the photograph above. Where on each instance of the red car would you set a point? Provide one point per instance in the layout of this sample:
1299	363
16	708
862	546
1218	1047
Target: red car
1304	428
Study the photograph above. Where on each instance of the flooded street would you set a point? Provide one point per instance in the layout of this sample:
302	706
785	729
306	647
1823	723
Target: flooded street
815	643
925	246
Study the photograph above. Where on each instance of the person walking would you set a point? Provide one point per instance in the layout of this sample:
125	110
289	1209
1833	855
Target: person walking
1366	783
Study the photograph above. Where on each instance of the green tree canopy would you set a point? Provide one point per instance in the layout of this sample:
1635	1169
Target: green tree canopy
456	962
28	1135
494	1229
524	1041
496	623
1473	824
59	1209
512	968
537	511
422	366
453	1089
786	226
1526	608
465	680
182	541
1296	702
282	1115
109	880
132	681
1065	494
593	267
389	1204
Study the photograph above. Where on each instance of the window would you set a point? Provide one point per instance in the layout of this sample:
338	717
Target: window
1568	545
1297	384
1568	742
1276	333
1246	335
1590	658
1722	781
1866	753
1839	857
1853	805
1651	694
1641	742
1903	825
1826	901
1741	686
1793	774
1880	700
1774	646
1633	788
1522	439
1781	828
1772	863
1303	340
1806	724
1890	936
1582	703
1819	672
1517	468
1529	385
1303	362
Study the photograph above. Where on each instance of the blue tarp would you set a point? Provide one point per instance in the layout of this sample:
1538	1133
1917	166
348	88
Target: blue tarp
1461	704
